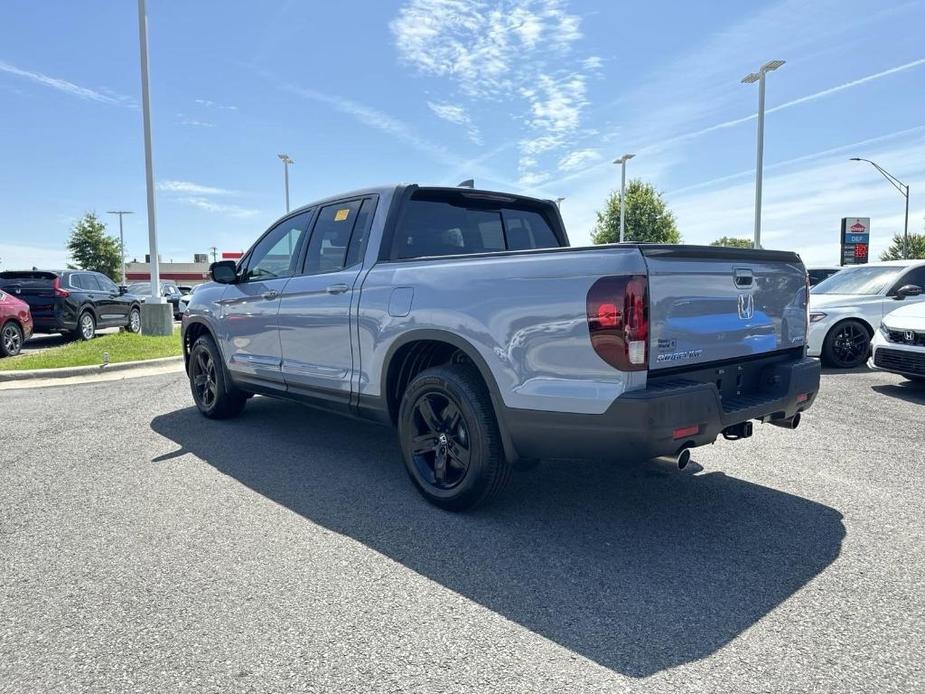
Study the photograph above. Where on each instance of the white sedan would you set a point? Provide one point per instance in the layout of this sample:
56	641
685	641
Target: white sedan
899	345
845	309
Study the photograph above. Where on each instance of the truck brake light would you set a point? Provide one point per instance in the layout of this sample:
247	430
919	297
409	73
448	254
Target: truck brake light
618	321
56	286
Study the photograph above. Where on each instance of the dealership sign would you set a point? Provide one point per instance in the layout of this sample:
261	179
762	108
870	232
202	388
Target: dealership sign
855	240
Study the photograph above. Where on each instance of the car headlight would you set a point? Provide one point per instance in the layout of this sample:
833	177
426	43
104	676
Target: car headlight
885	331
816	316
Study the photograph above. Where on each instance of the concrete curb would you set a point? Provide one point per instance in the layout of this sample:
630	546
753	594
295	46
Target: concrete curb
91	370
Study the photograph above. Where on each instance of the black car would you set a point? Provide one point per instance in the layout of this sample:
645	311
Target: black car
73	301
169	291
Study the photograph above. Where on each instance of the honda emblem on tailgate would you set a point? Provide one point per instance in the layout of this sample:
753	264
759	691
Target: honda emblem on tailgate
746	306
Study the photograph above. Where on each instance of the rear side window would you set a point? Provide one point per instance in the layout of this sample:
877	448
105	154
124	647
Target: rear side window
327	248
456	225
84	281
357	248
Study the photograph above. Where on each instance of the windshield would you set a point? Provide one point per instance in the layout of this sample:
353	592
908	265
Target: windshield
859	280
139	288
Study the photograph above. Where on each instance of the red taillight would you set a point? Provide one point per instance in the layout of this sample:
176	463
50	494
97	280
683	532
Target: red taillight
56	285
618	320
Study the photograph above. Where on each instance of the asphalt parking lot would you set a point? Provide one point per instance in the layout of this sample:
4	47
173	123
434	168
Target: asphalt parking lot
146	549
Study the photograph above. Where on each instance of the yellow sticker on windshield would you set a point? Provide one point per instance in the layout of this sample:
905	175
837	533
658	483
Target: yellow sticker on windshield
341	215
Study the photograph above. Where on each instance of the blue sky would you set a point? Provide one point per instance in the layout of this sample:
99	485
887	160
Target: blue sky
534	96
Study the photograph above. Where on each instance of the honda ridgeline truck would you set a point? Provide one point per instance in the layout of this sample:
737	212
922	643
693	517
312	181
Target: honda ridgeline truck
463	318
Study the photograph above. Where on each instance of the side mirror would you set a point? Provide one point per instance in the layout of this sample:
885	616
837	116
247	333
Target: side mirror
123	289
908	290
224	272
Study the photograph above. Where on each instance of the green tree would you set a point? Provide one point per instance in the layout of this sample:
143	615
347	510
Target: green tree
91	248
895	251
733	242
648	219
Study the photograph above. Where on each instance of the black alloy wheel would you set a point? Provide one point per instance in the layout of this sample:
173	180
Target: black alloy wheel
440	444
203	379
847	345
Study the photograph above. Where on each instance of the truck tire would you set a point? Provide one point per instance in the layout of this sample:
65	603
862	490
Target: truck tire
215	397
450	440
847	345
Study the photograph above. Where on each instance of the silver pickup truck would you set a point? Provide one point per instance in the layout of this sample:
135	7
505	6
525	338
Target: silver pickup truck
463	318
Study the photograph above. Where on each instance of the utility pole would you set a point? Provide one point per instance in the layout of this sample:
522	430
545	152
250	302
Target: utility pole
121	239
622	161
750	78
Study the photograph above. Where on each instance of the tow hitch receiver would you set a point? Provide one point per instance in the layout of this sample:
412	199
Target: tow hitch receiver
743	430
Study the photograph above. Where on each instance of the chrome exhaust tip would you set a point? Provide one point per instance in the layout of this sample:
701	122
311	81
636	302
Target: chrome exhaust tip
791	423
681	458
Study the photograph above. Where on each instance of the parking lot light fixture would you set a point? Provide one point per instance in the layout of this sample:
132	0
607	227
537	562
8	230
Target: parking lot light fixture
903	189
622	161
751	78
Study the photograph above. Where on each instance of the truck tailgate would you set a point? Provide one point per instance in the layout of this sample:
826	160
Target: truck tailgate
709	304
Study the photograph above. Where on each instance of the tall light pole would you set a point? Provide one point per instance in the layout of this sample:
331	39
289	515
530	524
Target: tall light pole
758	77
286	162
903	189
121	238
156	314
622	161
559	201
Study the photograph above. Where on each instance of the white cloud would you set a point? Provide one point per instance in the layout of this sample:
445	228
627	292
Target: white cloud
104	96
503	51
594	62
578	159
193	122
188	187
456	114
212	104
220	208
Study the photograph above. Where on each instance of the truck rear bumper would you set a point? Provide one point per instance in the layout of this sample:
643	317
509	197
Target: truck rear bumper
660	419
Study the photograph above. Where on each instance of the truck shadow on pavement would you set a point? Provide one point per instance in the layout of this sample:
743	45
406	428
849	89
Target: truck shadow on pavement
636	568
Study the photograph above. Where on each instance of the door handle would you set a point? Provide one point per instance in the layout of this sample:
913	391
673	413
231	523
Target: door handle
337	289
270	295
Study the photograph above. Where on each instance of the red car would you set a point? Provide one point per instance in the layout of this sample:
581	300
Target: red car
15	324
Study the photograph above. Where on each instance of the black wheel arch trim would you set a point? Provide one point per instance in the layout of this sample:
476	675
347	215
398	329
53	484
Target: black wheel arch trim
466	347
208	329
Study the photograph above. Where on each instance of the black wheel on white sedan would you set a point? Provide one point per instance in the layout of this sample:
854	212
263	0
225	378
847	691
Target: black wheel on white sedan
215	397
450	439
11	339
847	345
